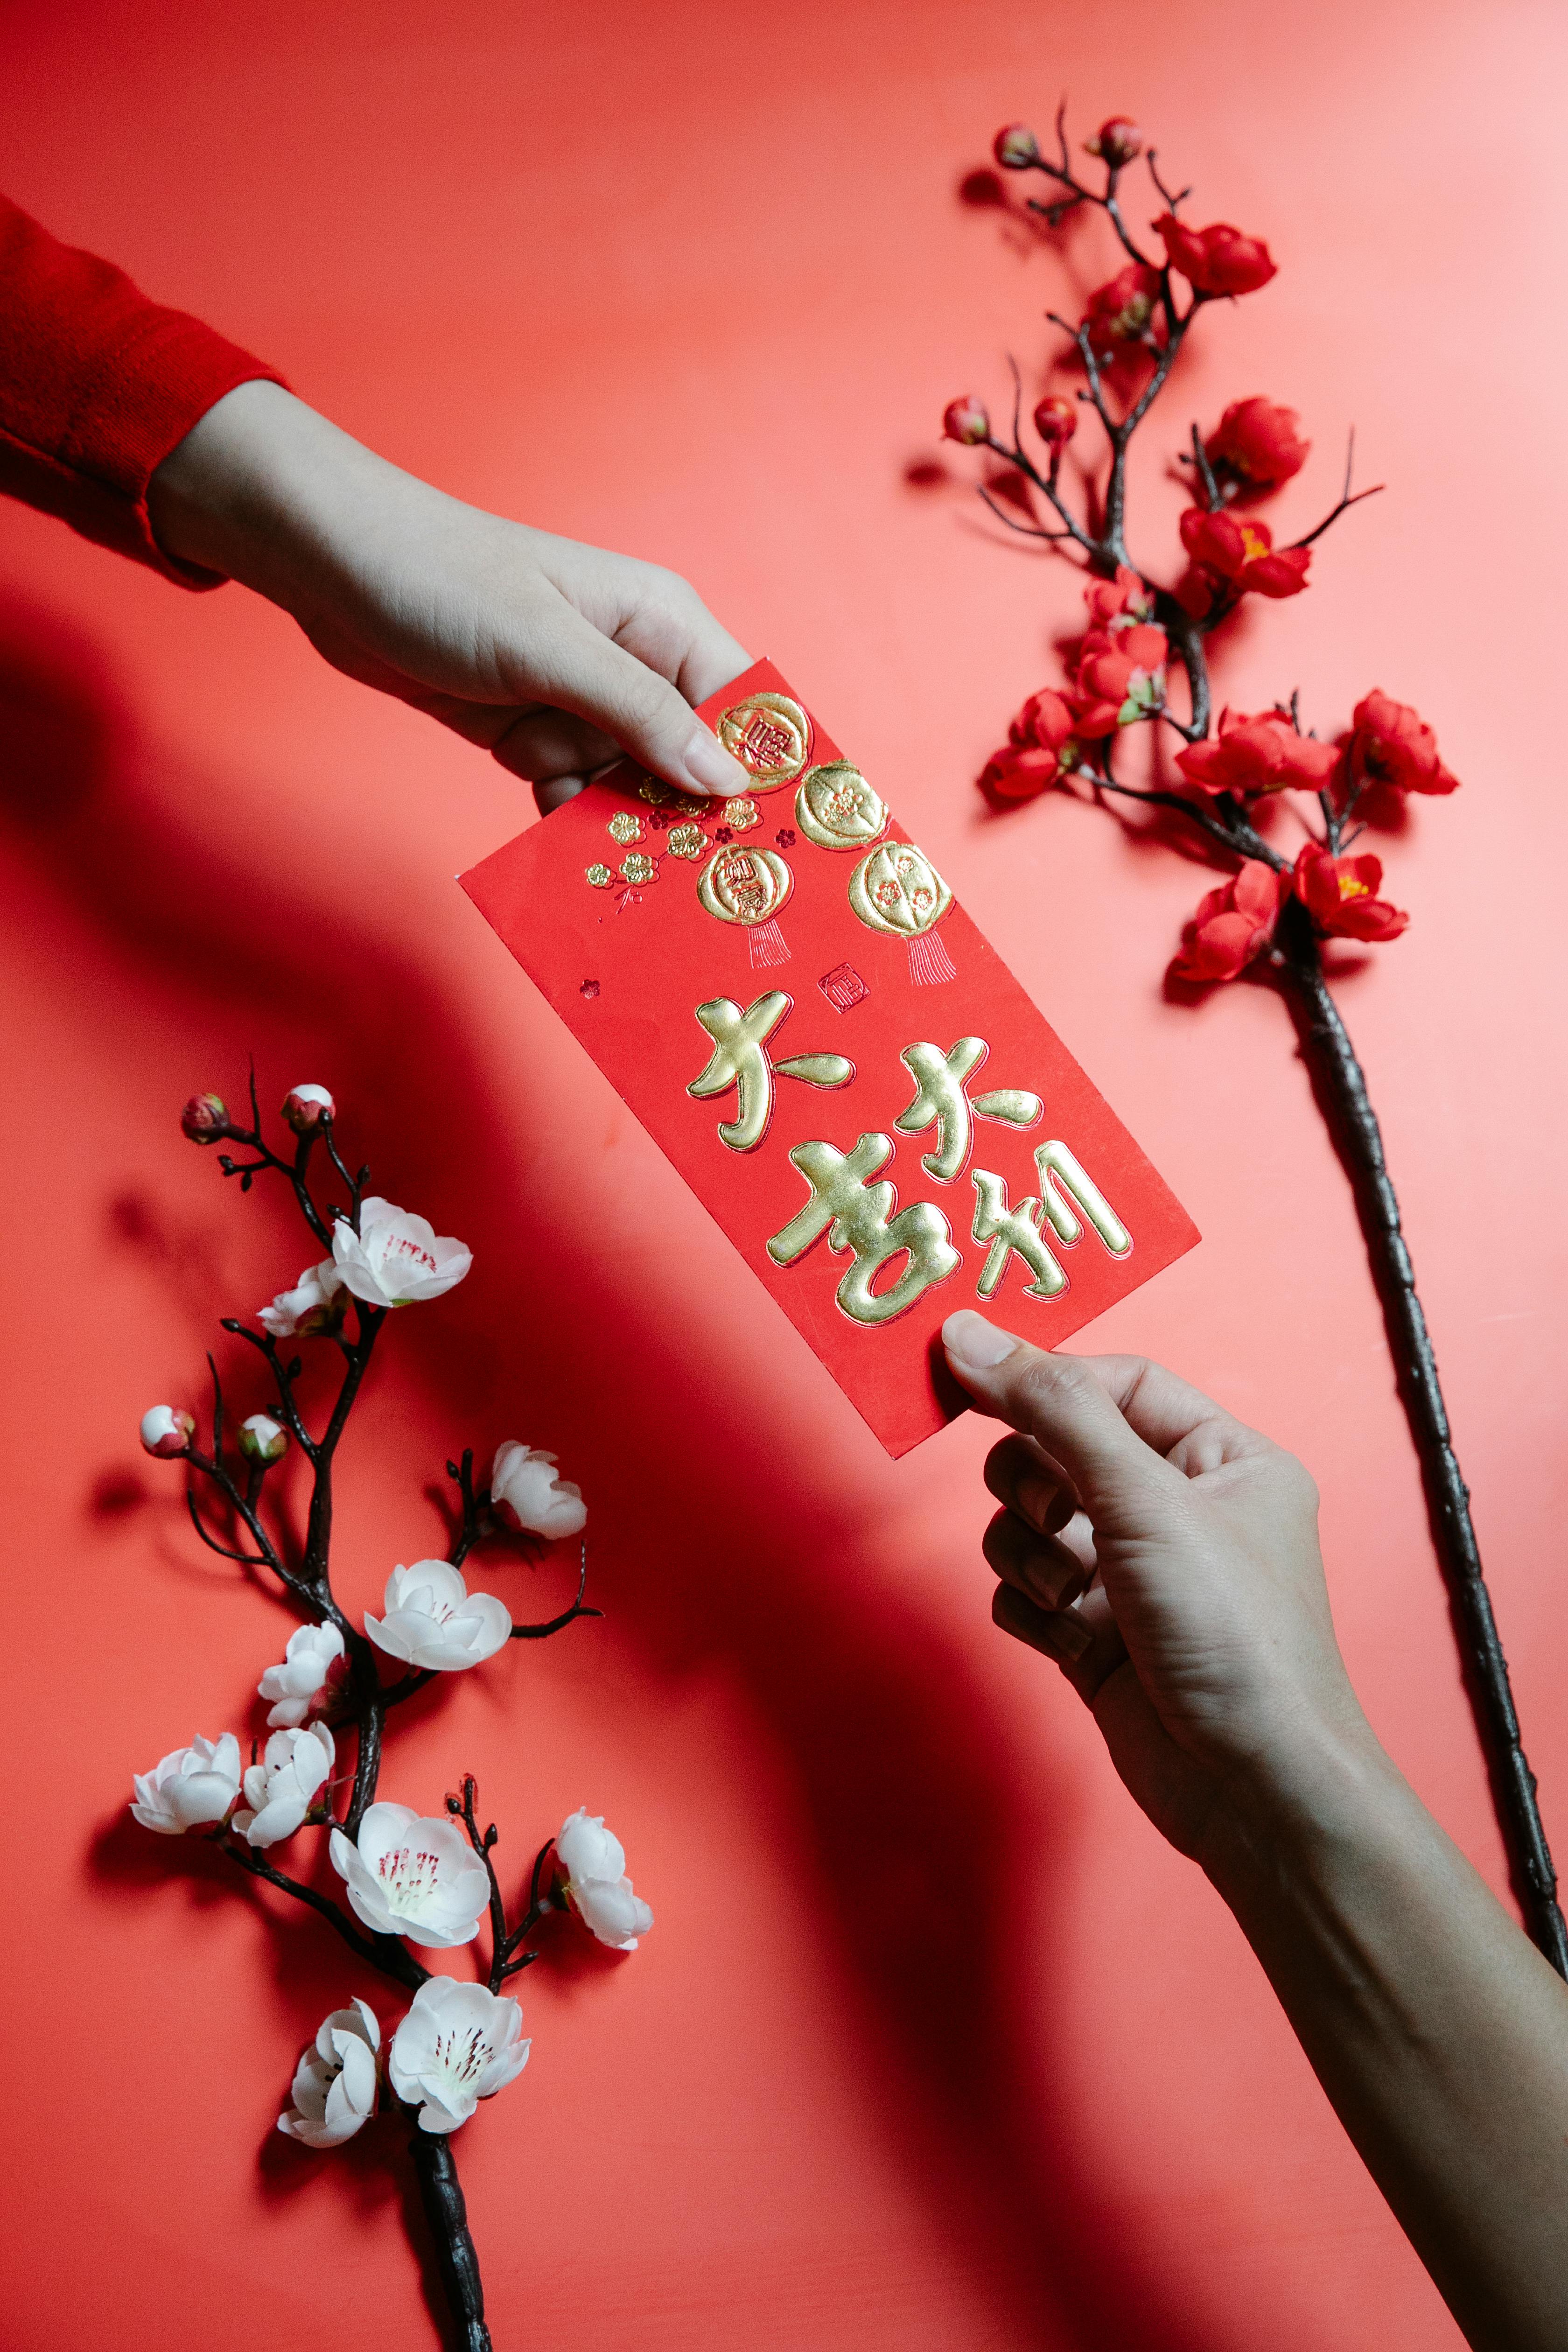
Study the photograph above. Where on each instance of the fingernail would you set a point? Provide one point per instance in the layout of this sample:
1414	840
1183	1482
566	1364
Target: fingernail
975	1341
1054	1631
1035	1497
1054	1587
1068	1636
709	767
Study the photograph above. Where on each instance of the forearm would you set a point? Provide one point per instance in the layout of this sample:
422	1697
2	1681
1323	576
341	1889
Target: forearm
553	656
1437	2029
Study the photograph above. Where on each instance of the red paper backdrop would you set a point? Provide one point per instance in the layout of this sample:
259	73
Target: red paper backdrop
933	2044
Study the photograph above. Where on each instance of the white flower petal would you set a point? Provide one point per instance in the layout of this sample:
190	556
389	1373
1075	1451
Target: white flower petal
587	1849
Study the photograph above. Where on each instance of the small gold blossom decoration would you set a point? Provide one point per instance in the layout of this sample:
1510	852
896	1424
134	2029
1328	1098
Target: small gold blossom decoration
638	868
600	876
741	814
626	828
687	841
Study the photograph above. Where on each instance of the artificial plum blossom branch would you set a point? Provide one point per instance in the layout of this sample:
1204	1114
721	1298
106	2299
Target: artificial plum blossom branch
408	1879
1270	915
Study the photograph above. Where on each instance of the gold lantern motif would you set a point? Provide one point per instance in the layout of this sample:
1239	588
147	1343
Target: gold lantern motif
770	735
744	886
898	889
836	808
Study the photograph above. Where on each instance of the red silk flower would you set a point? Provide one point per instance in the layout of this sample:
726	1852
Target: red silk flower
1256	445
1218	260
1044	748
1117	603
1242	554
1390	744
1232	925
1341	896
1118	678
1263	754
1120	311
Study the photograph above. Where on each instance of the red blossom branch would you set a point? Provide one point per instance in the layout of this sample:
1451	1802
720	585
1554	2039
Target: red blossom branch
1269	915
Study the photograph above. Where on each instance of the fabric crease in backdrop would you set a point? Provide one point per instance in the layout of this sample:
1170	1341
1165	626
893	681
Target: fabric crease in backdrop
934	2044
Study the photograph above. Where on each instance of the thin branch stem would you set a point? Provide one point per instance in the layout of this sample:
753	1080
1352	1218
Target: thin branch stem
1345	498
384	1952
538	1904
463	1806
1205	472
473	1504
555	1624
246	1558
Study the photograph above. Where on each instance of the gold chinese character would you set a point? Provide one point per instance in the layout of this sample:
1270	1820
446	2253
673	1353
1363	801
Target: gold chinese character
1055	1162
741	1059
941	1101
1017	1232
770	734
856	1215
1011	1232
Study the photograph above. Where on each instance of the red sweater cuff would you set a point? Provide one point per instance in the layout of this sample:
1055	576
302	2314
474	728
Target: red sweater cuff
96	386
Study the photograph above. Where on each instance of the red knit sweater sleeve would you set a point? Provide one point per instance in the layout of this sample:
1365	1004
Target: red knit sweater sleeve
97	385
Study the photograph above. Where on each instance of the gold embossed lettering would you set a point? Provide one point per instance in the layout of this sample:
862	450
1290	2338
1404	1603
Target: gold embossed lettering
941	1101
1012	1232
855	1214
741	1059
1061	1173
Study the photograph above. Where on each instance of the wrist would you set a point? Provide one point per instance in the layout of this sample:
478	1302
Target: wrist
247	493
1321	1791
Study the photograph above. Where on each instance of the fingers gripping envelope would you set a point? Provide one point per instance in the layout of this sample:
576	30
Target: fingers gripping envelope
787	992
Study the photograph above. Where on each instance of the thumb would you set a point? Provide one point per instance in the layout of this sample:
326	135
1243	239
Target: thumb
585	672
1058	1401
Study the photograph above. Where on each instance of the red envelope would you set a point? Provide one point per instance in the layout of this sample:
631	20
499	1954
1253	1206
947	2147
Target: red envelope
840	1065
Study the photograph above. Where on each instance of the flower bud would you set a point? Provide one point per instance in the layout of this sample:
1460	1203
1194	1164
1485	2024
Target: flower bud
1015	147
262	1439
204	1119
965	420
1056	420
1116	142
306	1107
166	1430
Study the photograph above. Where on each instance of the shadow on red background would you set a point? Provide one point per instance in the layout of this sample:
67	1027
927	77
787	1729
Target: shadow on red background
902	1773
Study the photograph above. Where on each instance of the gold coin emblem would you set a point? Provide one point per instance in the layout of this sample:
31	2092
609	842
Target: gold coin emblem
744	886
638	868
626	828
742	815
600	876
898	889
836	807
687	841
770	735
